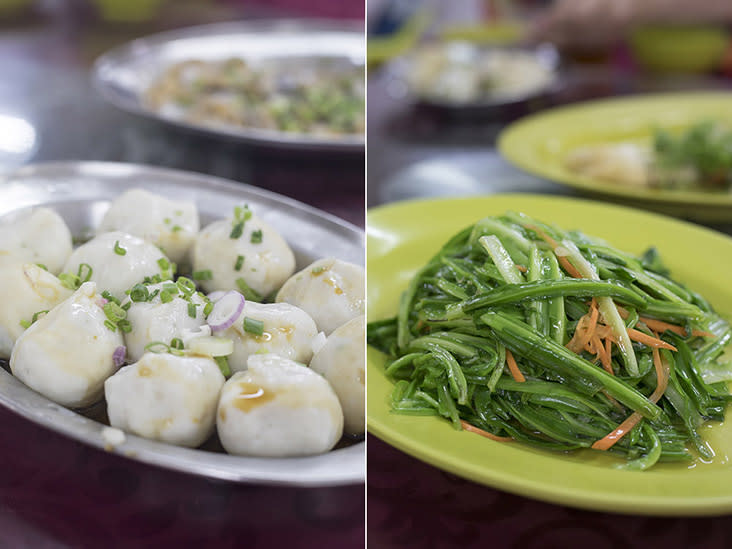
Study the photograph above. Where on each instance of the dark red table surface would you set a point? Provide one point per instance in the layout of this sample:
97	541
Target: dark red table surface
411	503
56	492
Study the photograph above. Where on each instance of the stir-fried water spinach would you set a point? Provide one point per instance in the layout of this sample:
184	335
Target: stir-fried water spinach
520	331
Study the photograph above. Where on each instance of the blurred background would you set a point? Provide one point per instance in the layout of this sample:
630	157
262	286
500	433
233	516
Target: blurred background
430	122
50	111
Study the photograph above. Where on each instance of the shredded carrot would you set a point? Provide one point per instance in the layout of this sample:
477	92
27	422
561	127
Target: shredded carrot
662	375
620	431
513	367
563	261
521	268
603	354
473	429
585	330
651	341
661	326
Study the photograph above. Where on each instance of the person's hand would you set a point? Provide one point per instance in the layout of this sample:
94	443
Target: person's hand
586	24
598	24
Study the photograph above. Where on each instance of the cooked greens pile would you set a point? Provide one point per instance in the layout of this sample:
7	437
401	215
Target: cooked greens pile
520	331
702	155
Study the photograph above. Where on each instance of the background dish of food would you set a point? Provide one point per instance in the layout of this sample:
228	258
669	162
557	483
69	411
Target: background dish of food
463	73
125	74
540	144
457	75
399	242
80	192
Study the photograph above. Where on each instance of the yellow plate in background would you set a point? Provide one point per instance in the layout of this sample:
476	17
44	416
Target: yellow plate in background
540	143
403	236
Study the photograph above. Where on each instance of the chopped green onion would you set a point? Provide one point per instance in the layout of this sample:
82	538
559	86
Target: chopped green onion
37	314
176	228
239	263
109	297
25	324
203	275
208	308
192	310
84	272
157	347
139	293
237	230
114	312
242	213
111	325
186	286
247	291
223	364
167	221
166	296
42	266
256	236
253	326
70	281
119	250
171	288
319	270
125	325
164	264
176	343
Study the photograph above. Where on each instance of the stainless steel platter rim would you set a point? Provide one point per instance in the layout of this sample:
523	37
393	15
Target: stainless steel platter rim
312	471
130	102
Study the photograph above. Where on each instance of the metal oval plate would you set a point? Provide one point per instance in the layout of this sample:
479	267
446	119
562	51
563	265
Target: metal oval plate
123	74
81	193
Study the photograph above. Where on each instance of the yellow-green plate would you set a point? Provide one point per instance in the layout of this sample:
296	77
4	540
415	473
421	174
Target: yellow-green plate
403	236
540	143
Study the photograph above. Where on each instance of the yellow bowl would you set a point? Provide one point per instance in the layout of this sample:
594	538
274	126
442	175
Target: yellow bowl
128	10
11	7
691	49
497	33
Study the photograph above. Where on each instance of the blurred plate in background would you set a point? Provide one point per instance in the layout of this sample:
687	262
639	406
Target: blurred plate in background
463	75
124	74
539	144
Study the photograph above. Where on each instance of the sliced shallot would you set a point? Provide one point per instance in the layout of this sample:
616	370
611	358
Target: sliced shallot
226	311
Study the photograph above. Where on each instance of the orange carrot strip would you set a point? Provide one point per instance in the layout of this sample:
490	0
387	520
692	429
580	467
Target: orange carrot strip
585	329
604	355
563	261
651	341
513	367
662	374
661	326
468	427
620	431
